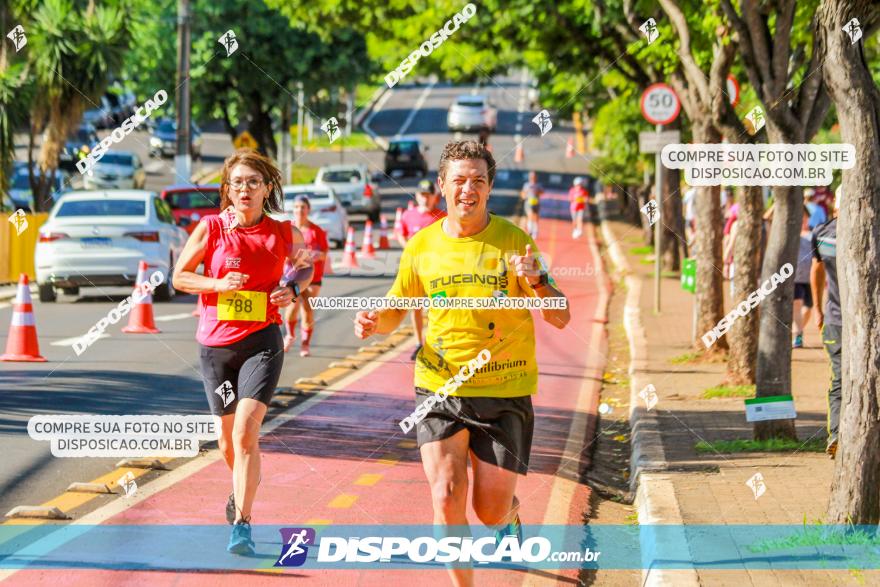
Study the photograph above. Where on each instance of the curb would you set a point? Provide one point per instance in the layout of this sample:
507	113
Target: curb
655	496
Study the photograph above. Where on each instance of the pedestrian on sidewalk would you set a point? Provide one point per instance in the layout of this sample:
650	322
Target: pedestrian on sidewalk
803	297
318	248
829	320
243	251
412	221
487	418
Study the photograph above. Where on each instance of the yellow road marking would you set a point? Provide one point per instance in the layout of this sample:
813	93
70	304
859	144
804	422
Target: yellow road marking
318	522
342	501
70	500
368	479
389	459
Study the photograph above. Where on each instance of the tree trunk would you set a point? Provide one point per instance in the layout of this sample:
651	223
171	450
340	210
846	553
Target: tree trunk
260	126
855	489
707	252
773	372
673	221
743	335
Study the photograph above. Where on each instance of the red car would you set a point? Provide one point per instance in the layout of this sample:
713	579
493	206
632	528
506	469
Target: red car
190	203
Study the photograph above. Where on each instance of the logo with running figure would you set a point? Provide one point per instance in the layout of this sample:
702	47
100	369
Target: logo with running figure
294	546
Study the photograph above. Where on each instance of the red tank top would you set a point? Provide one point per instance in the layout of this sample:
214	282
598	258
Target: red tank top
258	251
316	240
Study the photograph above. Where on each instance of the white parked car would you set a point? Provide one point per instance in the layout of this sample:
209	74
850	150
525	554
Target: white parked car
98	238
354	187
470	113
327	210
116	170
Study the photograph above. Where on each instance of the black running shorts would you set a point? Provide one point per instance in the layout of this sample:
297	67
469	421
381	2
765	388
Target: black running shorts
500	428
252	366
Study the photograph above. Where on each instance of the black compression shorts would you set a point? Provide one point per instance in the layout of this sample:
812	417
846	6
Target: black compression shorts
252	366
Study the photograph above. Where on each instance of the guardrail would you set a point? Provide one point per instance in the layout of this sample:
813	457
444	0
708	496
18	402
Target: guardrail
17	250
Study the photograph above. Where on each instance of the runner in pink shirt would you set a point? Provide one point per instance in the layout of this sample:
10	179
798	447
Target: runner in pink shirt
422	216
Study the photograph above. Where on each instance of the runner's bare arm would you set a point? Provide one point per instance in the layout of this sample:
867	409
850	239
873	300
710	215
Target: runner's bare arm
185	277
528	274
282	296
373	322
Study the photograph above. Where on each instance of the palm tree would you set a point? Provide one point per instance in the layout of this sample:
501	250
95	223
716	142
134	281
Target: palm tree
73	54
15	97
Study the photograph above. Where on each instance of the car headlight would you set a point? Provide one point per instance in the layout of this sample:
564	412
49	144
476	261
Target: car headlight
155	142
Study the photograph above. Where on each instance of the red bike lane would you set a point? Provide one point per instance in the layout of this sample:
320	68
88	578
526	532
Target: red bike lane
343	460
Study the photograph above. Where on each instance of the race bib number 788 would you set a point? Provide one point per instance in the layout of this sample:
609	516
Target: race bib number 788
242	305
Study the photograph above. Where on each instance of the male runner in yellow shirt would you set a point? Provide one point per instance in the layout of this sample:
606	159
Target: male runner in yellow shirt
489	416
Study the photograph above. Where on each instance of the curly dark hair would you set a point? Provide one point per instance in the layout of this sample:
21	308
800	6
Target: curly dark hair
274	201
458	150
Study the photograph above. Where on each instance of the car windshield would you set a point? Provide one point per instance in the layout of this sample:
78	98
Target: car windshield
117	159
193	199
166	126
102	208
470	102
342	176
290	196
21	181
404	148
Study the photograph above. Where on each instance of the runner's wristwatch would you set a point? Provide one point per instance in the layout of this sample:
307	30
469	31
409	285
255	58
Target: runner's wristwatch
544	281
292	285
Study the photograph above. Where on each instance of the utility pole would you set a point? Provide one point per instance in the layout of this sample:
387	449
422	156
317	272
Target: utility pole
183	159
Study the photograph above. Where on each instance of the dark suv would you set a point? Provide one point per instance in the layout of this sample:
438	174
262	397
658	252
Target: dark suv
406	154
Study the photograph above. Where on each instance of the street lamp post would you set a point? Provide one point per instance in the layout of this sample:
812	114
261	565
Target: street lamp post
182	158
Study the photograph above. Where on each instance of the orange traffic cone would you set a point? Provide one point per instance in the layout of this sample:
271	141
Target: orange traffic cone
22	343
520	155
349	256
569	148
367	250
398	223
383	234
140	321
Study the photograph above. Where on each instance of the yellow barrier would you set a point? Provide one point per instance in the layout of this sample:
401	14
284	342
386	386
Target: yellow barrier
17	250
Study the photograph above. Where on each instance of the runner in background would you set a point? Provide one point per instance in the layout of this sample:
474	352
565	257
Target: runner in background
316	243
244	251
803	297
577	198
830	318
531	197
423	215
488	420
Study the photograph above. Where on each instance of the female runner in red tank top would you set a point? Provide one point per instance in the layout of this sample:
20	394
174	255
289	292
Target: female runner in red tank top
241	354
316	242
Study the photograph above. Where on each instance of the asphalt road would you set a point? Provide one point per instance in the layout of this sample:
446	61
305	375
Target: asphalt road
158	374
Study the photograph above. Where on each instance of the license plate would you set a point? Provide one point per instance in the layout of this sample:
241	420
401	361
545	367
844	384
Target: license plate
403	158
97	241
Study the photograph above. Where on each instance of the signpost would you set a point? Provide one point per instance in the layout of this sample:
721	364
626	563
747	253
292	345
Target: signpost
660	105
245	141
774	407
689	283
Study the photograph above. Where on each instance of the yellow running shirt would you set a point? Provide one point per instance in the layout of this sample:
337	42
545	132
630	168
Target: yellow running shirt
436	264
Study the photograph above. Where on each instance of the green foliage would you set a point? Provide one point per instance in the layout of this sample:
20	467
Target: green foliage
771	445
616	138
729	391
684	358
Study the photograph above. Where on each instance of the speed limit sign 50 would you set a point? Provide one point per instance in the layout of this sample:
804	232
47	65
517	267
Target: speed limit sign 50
660	104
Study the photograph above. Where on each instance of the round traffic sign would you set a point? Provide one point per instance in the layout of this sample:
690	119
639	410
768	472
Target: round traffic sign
732	90
660	104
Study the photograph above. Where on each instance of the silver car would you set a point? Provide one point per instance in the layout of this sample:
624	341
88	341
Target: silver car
327	210
116	170
98	238
472	113
354	187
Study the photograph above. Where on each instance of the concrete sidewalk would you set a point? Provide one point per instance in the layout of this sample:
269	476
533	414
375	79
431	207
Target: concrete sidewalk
683	486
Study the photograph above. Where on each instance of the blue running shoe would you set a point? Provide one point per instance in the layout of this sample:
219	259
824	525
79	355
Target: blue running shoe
240	541
512	529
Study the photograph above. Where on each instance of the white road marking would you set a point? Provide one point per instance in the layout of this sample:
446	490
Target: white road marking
412	113
155	167
70	341
173	317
